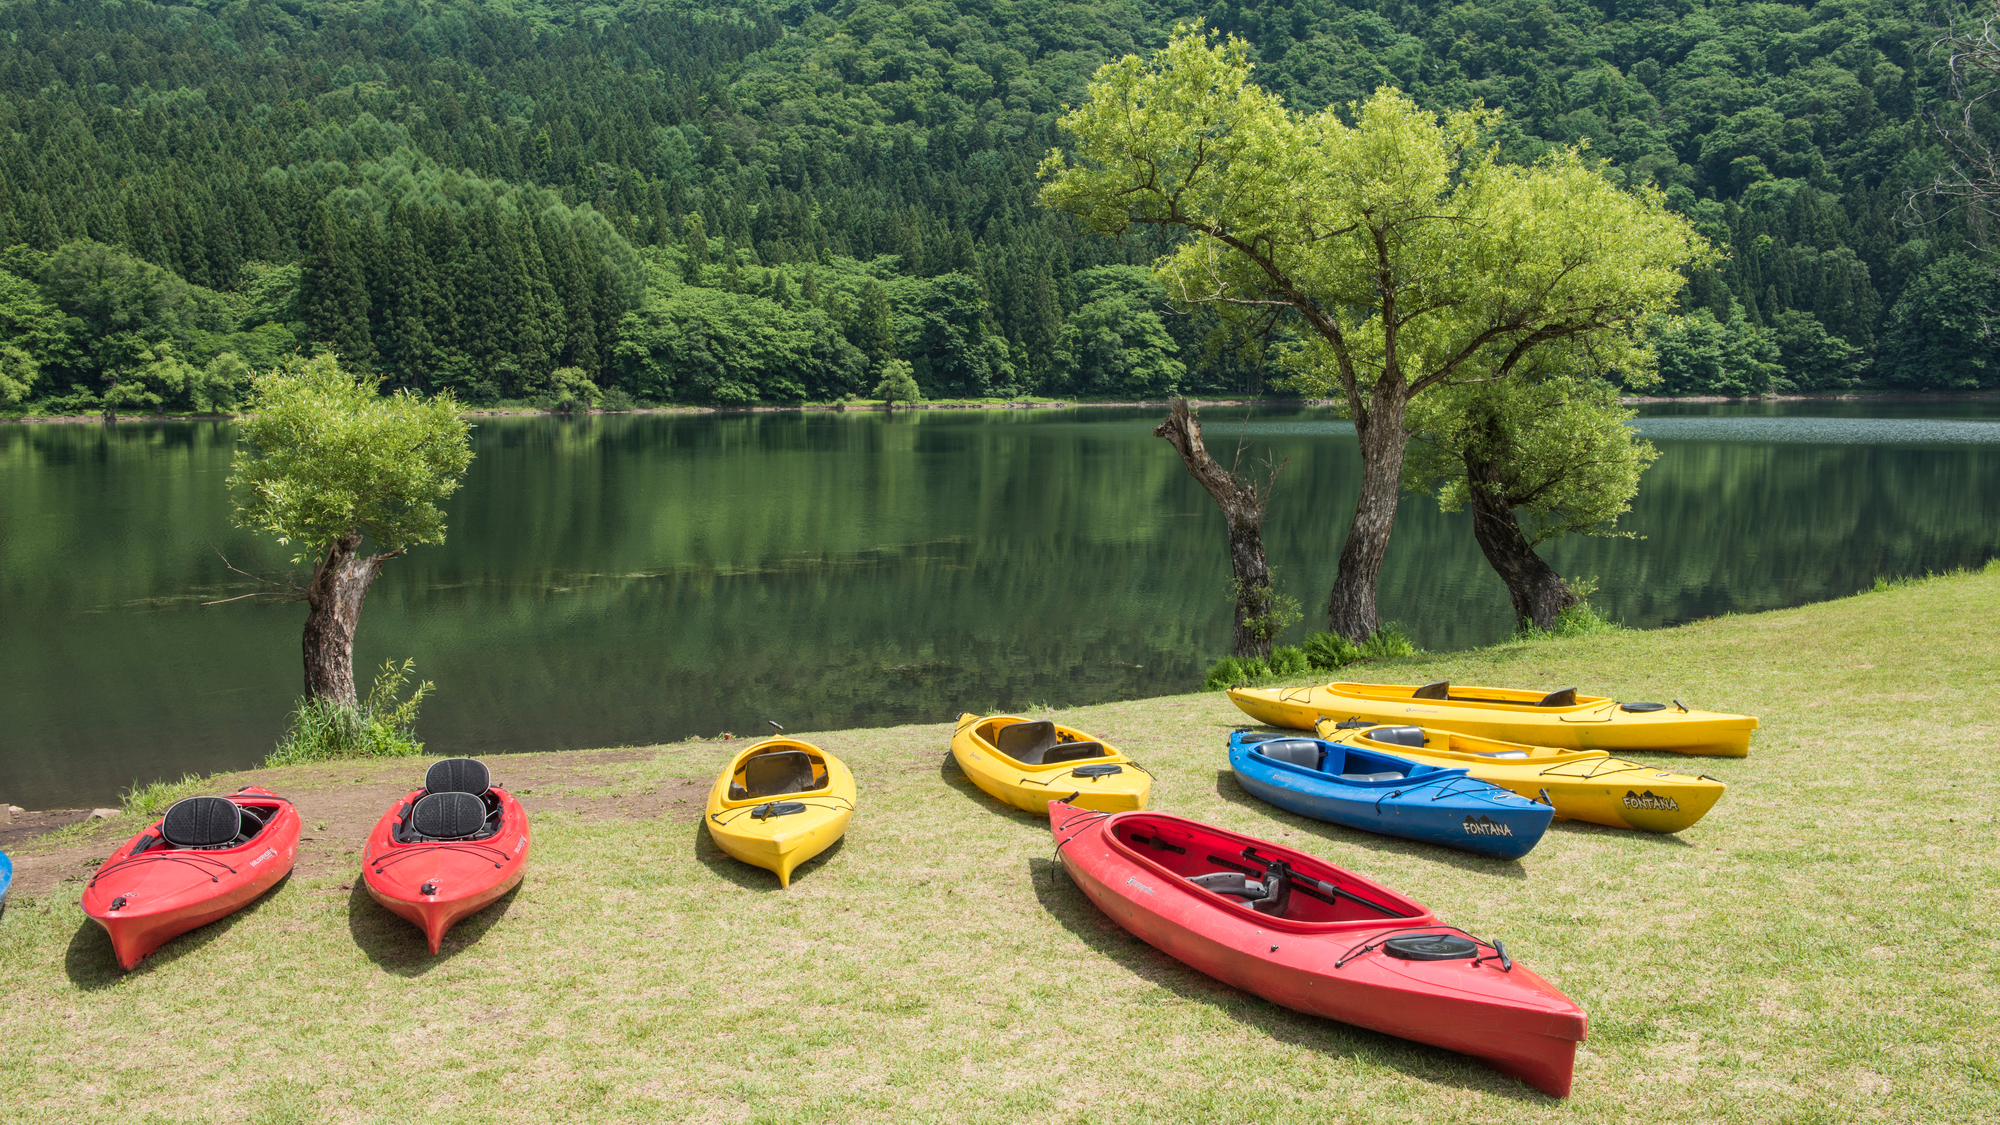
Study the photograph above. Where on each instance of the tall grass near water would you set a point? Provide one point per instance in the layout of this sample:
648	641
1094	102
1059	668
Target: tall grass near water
380	726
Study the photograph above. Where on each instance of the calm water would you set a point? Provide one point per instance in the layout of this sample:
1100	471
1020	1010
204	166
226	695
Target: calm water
638	579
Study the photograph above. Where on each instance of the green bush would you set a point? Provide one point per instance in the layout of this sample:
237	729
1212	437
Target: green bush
1388	641
1289	661
380	727
1579	620
1328	651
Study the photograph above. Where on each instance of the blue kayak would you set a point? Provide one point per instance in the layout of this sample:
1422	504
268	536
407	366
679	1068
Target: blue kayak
6	878
1376	792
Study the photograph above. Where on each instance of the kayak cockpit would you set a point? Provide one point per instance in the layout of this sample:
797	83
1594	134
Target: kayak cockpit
778	769
1288	885
457	804
1037	743
1349	764
207	824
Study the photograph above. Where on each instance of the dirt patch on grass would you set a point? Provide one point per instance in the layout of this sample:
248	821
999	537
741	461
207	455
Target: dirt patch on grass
340	801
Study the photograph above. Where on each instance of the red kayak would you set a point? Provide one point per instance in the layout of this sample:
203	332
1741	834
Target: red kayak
447	850
1303	933
206	859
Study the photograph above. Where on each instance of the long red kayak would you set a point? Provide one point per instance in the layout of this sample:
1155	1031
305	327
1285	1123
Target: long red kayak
1310	936
207	858
447	850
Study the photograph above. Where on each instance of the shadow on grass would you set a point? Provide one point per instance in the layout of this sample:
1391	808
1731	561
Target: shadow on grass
91	964
1624	835
397	944
953	775
1069	906
748	875
1227	788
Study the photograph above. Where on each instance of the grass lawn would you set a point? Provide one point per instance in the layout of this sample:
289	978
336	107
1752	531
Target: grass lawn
1822	948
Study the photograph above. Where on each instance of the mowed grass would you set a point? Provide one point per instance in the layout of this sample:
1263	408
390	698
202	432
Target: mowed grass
1822	948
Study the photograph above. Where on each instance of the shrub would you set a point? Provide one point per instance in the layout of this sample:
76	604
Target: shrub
381	726
1388	641
1328	651
1289	660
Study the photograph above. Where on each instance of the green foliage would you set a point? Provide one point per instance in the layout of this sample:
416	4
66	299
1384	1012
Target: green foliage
1327	651
1579	619
1944	334
1269	612
1555	449
151	800
1411	255
566	390
897	384
1287	660
1389	641
324	456
1700	355
381	726
1115	342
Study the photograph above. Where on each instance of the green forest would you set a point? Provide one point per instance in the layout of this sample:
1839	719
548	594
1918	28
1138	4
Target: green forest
665	202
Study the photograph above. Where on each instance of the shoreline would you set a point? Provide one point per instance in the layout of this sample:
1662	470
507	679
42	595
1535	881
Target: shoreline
876	406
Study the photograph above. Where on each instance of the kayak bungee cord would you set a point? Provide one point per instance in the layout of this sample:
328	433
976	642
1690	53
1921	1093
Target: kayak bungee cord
382	862
1440	780
194	861
752	809
1506	962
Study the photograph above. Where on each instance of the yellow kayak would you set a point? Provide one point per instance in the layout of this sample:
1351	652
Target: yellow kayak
1558	718
780	803
1028	764
1580	784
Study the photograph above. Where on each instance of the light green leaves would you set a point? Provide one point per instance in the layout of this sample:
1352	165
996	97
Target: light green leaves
324	455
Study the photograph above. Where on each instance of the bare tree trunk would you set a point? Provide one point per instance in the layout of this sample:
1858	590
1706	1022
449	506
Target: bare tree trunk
1350	606
1539	593
1242	505
339	583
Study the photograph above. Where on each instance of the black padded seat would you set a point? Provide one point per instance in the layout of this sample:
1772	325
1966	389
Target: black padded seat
1073	752
1436	689
1385	775
448	816
1398	736
202	822
778	773
458	775
1026	742
1297	751
1565	697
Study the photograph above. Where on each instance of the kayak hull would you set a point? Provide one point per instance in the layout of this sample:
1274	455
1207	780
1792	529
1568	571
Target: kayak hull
780	843
1508	1018
1442	806
6	879
147	899
1594	723
1586	785
434	885
1030	787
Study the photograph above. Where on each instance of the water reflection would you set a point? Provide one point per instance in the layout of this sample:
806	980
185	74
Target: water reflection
632	579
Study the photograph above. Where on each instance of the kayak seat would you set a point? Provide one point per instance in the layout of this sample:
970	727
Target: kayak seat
1386	775
776	774
1498	753
1297	751
448	816
1073	752
1566	697
202	822
1027	742
458	775
1235	884
1398	736
1436	689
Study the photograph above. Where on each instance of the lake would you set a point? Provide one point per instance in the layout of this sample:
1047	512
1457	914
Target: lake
642	578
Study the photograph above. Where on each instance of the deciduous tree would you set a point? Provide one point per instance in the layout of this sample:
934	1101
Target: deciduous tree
326	462
1409	257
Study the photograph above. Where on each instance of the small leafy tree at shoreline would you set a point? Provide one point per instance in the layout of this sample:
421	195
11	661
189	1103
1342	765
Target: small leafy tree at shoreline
381	726
326	462
898	384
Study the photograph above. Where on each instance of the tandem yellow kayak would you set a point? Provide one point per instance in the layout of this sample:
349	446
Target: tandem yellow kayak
1587	785
1562	719
780	803
1028	764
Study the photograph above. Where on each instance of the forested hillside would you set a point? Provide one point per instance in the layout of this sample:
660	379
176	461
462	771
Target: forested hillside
689	203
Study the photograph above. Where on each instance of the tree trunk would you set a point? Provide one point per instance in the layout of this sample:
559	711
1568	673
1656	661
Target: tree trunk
339	583
1243	509
1539	593
1350	606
